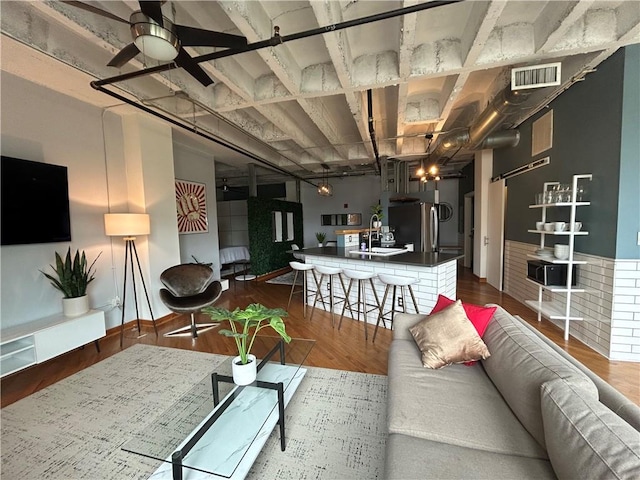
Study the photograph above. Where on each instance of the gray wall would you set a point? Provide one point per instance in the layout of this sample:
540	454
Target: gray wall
586	139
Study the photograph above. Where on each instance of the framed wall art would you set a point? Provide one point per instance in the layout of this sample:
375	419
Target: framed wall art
191	207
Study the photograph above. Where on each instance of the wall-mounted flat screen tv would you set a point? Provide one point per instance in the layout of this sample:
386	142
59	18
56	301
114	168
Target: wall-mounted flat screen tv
35	202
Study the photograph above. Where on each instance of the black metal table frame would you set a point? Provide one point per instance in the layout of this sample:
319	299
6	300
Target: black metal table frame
178	455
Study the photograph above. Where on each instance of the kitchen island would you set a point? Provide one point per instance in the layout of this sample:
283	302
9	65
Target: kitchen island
436	273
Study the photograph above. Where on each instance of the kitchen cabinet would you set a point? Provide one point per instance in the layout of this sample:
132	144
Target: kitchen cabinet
572	200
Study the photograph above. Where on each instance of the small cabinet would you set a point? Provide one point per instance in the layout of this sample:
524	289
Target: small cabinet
550	309
40	340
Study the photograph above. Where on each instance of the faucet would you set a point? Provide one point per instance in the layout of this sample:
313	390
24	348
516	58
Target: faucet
371	228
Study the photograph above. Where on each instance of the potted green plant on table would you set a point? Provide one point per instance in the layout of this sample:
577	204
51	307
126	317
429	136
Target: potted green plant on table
245	325
72	278
376	209
320	236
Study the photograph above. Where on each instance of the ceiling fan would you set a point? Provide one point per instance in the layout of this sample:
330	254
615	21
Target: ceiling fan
158	37
227	188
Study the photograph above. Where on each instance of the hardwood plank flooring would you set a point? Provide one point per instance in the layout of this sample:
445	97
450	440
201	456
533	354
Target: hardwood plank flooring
344	349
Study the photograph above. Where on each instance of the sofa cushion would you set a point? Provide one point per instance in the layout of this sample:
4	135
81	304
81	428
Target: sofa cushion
478	315
415	458
448	337
520	363
584	438
457	405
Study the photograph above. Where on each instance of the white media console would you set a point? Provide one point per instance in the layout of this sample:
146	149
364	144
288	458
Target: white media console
40	340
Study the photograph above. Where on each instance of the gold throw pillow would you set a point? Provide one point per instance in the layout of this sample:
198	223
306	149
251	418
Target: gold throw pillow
448	337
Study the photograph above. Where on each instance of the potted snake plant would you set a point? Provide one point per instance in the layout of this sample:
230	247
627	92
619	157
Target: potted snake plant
245	325
72	278
320	236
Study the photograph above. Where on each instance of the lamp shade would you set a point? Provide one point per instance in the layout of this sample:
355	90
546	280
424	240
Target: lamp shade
126	224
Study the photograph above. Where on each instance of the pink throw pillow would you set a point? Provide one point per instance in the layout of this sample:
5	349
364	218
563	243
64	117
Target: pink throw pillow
478	315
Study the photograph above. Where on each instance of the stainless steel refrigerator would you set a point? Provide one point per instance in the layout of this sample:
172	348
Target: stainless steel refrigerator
416	223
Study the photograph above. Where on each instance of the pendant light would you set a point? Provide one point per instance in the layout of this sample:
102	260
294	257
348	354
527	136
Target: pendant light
324	188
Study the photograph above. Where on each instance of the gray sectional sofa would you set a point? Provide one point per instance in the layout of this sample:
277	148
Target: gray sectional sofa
528	411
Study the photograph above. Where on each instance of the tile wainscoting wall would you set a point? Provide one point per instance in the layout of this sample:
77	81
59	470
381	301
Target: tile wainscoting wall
440	279
611	305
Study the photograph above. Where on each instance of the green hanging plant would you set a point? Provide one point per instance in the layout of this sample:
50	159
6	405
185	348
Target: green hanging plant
72	277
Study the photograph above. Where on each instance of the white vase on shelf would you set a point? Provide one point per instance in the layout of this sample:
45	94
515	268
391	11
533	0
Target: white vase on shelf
72	307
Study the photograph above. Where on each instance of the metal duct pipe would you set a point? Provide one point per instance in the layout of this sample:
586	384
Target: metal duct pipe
449	141
500	139
479	136
500	107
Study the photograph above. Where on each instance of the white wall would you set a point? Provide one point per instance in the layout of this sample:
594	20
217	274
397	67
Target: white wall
358	193
482	172
42	125
233	223
193	163
116	163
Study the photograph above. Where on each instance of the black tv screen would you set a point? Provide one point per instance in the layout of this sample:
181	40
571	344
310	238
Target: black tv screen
35	202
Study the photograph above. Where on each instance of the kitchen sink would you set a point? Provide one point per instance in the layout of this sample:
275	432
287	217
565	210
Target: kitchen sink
380	251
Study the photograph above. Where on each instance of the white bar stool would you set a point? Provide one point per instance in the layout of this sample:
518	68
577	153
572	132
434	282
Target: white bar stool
361	305
304	268
395	282
330	272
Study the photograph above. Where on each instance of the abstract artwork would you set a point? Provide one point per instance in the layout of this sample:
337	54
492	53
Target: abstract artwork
191	207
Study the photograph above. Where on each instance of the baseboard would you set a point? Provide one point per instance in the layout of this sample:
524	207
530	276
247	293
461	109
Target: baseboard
143	322
275	273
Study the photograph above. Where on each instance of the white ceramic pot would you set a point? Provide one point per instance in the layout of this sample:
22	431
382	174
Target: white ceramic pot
72	307
320	244
244	374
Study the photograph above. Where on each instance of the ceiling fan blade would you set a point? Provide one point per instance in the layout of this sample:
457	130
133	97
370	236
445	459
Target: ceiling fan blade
185	61
191	36
124	55
152	9
92	9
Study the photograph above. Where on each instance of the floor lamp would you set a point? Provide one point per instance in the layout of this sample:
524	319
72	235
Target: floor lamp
128	225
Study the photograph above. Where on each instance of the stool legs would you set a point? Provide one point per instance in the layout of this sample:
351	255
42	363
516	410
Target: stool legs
304	291
362	300
393	306
331	297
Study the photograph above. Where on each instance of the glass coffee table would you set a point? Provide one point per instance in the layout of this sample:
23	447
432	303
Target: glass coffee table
217	429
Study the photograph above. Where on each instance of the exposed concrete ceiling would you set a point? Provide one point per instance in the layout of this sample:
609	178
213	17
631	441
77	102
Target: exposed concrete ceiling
303	103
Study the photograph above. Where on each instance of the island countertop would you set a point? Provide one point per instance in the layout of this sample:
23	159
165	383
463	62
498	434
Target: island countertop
424	259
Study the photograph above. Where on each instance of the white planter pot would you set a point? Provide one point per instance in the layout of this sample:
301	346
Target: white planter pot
377	224
320	244
72	307
244	374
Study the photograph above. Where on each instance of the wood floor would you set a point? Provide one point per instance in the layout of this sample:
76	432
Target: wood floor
344	349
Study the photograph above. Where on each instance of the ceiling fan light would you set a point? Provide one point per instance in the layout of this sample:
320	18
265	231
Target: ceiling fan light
155	41
156	47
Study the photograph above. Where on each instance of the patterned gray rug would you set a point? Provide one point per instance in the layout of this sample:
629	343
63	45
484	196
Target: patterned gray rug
287	279
336	421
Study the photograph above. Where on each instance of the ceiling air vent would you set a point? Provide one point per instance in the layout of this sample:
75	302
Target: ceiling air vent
536	76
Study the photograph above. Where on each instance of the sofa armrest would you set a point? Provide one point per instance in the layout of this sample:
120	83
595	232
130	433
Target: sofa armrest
401	324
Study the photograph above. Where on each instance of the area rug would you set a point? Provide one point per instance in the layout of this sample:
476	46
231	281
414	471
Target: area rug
287	279
74	429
